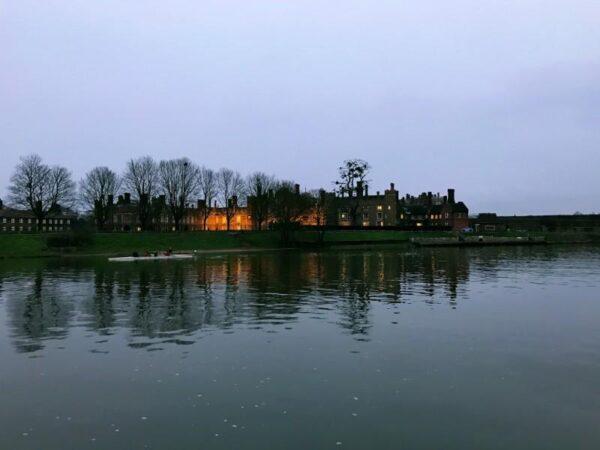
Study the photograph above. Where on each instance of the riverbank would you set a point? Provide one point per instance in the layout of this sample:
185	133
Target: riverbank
123	244
119	244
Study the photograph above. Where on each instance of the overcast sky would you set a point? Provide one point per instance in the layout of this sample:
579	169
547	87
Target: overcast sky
499	99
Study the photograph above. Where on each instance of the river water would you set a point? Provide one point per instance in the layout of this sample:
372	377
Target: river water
386	348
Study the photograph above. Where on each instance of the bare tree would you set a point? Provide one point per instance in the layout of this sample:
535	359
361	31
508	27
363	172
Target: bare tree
353	176
231	191
208	190
61	187
259	188
97	190
289	205
141	178
39	188
179	181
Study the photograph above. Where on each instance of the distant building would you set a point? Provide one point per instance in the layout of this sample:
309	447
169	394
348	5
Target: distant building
22	221
388	210
426	211
490	222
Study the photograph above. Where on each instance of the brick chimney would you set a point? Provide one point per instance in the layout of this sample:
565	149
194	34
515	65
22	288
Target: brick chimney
451	196
359	188
366	190
1	204
127	198
297	188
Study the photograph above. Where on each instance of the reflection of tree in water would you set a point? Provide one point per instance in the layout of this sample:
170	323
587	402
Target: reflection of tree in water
100	308
169	302
39	312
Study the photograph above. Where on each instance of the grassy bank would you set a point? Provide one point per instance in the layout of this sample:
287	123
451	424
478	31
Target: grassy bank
34	245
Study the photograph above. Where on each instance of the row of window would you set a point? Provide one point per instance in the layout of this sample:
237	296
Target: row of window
29	220
29	228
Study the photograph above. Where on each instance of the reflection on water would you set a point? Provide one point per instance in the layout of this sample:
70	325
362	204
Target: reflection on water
383	348
167	302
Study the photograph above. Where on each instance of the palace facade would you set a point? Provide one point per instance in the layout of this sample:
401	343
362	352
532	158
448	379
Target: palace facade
426	211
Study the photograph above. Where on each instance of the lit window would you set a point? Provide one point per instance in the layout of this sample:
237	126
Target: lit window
379	207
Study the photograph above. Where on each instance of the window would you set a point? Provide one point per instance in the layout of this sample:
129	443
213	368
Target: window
343	215
379	216
389	207
12	220
365	216
379	207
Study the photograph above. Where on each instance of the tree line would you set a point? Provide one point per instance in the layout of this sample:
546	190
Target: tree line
44	189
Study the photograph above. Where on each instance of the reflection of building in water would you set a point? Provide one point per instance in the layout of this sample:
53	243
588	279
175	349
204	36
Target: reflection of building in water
169	303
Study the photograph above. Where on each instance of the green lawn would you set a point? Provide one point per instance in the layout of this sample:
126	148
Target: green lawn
366	236
33	245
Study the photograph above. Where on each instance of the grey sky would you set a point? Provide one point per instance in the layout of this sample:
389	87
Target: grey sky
499	99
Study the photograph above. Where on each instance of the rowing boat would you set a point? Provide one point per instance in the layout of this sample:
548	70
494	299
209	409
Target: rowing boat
149	258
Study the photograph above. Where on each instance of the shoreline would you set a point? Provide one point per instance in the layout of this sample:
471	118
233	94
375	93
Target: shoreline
104	245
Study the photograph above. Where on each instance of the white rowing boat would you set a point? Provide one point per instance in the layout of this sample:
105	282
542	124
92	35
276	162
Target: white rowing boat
149	258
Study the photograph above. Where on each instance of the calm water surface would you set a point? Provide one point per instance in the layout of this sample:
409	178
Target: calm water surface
392	348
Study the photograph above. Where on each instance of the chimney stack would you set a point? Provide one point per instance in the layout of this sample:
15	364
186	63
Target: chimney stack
366	190
359	188
127	198
1	204
451	196
391	186
297	189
